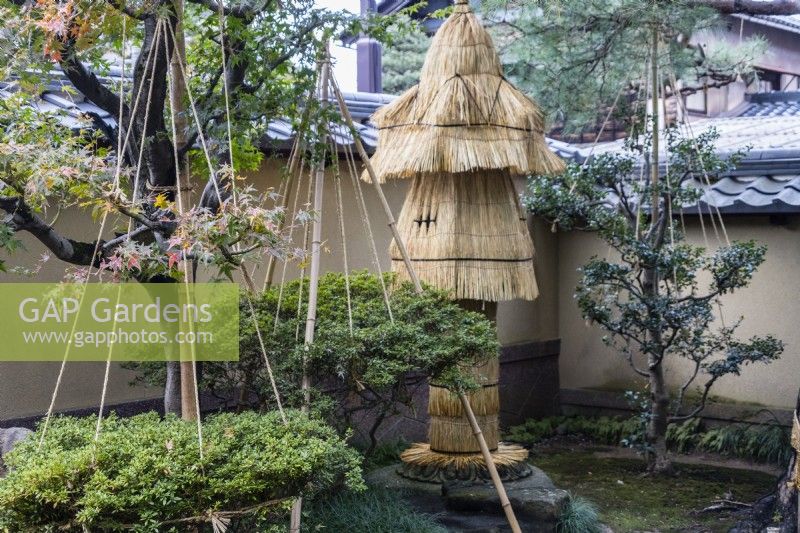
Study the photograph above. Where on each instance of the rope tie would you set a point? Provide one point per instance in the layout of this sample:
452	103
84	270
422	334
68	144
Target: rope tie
96	251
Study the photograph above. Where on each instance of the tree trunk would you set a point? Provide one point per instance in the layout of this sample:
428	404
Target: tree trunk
786	494
656	433
659	461
172	389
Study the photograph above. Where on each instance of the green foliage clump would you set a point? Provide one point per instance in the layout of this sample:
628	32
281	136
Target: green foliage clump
353	373
146	474
377	511
579	516
386	453
603	430
430	335
429	332
763	443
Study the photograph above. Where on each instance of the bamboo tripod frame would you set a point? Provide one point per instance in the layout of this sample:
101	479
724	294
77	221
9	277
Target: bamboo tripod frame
188	385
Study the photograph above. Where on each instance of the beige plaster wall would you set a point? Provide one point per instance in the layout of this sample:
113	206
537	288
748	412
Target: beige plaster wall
26	388
769	305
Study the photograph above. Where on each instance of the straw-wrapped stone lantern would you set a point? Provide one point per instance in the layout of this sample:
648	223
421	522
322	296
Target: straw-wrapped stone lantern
460	136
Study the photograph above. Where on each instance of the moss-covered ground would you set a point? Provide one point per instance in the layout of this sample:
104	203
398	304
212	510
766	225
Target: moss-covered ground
630	501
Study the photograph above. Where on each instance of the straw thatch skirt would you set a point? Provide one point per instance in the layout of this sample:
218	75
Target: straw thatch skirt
467	234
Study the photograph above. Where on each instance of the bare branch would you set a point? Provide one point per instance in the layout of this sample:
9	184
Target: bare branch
113	243
21	218
701	404
87	83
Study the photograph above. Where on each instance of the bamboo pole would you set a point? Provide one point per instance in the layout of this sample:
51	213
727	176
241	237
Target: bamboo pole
316	243
487	455
654	148
362	153
177	94
313	282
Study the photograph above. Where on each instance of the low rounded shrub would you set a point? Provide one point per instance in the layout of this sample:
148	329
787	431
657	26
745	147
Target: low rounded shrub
145	473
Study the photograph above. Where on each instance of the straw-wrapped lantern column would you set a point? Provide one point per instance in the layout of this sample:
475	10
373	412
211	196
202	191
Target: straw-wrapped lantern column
460	136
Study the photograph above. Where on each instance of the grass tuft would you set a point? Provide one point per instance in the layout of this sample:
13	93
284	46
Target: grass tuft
763	443
374	511
579	516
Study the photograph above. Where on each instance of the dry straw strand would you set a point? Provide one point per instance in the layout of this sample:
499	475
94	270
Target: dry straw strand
455	435
463	115
466	233
421	455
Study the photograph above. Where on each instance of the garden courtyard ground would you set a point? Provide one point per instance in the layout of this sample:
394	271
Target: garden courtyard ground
628	500
709	492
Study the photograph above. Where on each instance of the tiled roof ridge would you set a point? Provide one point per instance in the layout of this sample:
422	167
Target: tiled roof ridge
766	182
789	23
773	96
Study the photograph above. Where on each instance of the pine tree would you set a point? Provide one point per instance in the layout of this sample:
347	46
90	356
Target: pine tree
402	60
575	58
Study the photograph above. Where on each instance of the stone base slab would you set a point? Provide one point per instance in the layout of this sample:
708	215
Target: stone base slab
476	508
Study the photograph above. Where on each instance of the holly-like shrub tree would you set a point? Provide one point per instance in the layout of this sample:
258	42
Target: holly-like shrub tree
650	297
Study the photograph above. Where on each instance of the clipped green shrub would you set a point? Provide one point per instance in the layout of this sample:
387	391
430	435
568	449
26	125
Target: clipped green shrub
430	333
579	516
367	373
145	474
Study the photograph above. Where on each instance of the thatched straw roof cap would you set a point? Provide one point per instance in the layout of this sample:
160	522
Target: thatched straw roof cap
463	115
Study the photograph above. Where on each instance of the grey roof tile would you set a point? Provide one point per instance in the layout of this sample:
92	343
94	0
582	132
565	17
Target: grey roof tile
757	194
767	181
789	23
772	104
